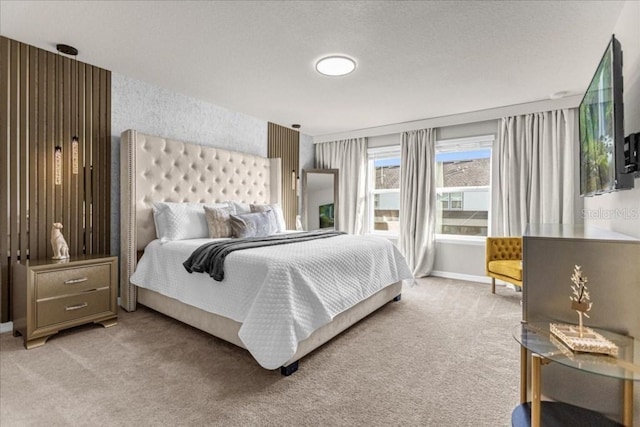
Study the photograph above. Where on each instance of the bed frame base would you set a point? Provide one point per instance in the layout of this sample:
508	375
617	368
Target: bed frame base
398	297
288	370
227	329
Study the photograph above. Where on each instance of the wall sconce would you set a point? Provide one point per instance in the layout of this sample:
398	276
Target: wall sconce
57	171
74	155
293	180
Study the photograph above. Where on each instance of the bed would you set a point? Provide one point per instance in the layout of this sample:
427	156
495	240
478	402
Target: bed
321	296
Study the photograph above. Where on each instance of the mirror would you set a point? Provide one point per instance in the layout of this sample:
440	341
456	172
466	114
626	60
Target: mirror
320	199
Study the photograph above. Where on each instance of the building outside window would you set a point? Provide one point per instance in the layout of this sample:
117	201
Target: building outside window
463	196
383	199
463	177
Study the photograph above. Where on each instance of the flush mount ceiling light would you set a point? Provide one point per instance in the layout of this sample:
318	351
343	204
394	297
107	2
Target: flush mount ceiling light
66	49
335	65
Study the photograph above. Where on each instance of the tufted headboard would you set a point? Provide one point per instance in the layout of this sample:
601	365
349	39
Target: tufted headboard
156	169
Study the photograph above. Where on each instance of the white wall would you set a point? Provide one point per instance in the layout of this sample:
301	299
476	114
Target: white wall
620	211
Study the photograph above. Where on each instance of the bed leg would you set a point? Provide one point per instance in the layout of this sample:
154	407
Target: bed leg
288	370
398	298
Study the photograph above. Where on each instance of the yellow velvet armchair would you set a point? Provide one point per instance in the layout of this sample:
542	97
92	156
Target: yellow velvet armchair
504	260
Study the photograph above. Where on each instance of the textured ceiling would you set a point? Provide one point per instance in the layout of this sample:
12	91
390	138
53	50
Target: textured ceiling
416	60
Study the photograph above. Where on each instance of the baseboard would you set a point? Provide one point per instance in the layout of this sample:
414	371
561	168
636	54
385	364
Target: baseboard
471	278
6	327
460	276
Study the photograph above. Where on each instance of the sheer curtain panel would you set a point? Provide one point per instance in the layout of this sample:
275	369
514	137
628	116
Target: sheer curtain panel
349	156
534	171
417	240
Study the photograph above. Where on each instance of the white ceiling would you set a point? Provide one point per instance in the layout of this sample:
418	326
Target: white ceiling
416	60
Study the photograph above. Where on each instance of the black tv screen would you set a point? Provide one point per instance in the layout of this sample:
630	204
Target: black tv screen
602	164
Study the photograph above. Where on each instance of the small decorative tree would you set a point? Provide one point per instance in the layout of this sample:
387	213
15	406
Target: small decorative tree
580	300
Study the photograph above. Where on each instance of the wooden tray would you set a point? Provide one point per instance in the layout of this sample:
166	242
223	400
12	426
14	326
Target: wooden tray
590	342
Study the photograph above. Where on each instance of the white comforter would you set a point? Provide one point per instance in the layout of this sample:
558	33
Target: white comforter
280	294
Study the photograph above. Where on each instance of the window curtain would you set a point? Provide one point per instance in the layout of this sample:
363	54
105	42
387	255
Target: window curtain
349	156
534	171
417	240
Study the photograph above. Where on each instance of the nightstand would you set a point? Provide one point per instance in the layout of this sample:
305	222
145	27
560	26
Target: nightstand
51	295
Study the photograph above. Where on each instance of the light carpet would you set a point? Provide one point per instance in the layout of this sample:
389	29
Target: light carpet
443	356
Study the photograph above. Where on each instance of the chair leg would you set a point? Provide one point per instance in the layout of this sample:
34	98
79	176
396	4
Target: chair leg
493	285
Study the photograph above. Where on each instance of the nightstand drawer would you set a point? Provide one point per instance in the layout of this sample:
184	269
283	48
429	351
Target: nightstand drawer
71	280
73	307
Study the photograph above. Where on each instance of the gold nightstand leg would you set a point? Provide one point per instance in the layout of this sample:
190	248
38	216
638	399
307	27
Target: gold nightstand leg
523	374
36	342
535	390
627	408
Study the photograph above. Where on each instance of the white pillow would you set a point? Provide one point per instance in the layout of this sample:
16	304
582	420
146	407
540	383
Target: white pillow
240	208
277	211
179	221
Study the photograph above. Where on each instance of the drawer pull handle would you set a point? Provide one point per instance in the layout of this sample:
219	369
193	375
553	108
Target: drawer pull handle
69	282
77	306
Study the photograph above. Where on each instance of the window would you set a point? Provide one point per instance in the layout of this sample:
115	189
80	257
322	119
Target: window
450	201
463	175
383	197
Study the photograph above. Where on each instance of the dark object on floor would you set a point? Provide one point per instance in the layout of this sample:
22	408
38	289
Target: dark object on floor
558	414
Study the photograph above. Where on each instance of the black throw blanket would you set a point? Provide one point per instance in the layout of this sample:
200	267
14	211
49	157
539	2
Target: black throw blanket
209	258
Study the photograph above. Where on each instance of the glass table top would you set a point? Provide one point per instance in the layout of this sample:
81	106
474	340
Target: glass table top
537	338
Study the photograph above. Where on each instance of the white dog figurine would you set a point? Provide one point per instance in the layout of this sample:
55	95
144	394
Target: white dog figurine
59	245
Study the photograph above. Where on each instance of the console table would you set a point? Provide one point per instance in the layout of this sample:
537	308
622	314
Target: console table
535	338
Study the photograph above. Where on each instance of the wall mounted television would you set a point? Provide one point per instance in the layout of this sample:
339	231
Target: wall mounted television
601	118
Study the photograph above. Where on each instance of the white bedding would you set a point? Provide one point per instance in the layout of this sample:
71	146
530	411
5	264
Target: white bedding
280	294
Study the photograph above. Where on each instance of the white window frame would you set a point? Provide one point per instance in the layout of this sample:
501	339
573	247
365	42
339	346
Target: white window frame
373	154
467	144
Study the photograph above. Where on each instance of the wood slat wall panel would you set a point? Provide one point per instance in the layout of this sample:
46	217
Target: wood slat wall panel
80	132
72	223
88	134
102	146
23	154
50	138
95	156
106	144
285	144
44	102
43	167
34	246
14	158
95	160
65	135
4	182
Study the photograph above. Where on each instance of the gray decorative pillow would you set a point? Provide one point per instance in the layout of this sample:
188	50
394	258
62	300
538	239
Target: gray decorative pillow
276	209
258	224
218	221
